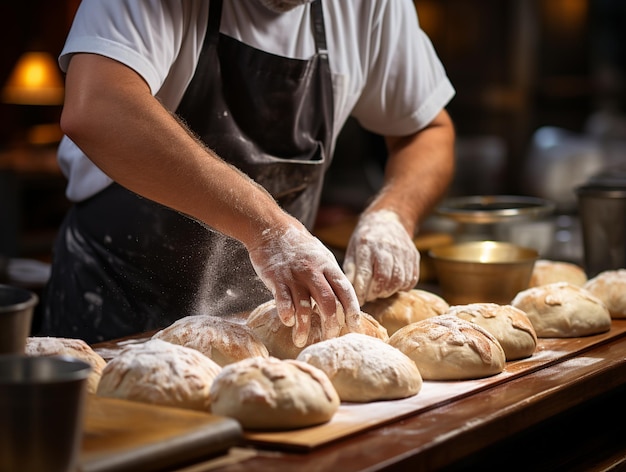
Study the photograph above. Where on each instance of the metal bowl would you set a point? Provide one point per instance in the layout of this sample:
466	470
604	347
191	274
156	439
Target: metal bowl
482	271
488	209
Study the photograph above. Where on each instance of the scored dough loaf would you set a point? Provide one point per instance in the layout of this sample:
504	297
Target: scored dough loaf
272	394
447	347
363	368
221	340
610	287
547	272
160	373
509	325
563	310
405	307
52	346
266	324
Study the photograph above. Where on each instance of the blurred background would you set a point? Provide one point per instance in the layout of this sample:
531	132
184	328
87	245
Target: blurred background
539	108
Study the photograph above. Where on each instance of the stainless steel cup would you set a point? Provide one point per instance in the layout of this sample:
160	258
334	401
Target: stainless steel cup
41	412
16	316
602	211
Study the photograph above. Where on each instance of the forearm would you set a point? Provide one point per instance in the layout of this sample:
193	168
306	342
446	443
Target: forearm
128	134
418	172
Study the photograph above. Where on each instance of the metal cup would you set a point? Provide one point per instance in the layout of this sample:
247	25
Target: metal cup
41	412
16	316
602	211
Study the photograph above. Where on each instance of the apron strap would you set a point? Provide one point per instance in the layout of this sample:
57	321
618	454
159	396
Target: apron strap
215	18
317	13
319	31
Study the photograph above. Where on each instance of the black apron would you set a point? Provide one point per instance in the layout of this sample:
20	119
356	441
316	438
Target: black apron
124	264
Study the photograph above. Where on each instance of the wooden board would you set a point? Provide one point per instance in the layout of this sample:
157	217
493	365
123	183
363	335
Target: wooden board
354	418
121	435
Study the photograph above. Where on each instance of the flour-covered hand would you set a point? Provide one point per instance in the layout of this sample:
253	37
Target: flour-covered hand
300	271
381	258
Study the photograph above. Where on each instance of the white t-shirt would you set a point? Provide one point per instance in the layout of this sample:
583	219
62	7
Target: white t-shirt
385	71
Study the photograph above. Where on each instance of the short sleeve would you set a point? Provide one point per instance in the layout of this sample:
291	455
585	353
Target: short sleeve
406	84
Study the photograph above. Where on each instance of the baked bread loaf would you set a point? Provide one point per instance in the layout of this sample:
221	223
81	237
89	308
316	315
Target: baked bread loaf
447	347
267	326
160	373
548	272
272	394
221	340
405	307
363	368
509	325
563	310
51	346
610	287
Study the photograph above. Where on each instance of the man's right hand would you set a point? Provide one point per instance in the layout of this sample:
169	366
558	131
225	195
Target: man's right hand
299	269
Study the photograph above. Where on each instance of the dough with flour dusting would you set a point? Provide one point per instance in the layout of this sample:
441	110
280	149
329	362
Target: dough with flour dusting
219	339
509	325
266	324
548	272
405	307
274	394
610	287
447	347
363	368
51	346
563	310
160	373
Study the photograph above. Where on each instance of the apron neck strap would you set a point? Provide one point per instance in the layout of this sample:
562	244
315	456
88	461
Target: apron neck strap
317	14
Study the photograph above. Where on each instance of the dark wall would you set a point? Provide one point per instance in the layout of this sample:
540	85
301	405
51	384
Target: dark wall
27	25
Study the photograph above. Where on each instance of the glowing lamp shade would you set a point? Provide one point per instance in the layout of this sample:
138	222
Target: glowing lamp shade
35	80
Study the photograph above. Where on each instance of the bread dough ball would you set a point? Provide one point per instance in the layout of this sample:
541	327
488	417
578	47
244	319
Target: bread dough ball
160	373
272	394
547	272
447	347
268	327
509	325
363	368
563	310
610	287
51	346
219	339
405	307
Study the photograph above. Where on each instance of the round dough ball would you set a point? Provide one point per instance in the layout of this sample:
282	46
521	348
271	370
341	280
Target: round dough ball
219	339
268	327
447	347
51	346
563	310
547	272
610	287
405	307
363	368
509	325
160	373
272	394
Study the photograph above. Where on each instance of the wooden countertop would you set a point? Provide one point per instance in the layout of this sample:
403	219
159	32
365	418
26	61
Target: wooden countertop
565	416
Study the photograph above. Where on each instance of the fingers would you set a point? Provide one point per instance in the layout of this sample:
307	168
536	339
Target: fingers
300	332
285	306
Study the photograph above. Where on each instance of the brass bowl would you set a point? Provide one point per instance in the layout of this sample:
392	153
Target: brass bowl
482	271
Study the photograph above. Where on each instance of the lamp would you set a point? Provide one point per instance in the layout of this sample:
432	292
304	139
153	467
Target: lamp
36	80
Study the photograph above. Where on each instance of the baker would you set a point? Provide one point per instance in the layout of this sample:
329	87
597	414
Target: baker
197	136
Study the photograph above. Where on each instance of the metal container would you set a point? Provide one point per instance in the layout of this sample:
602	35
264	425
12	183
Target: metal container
602	212
483	271
521	220
16	315
41	412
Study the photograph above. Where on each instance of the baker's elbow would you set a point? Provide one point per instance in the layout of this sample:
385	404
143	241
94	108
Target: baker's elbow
73	123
